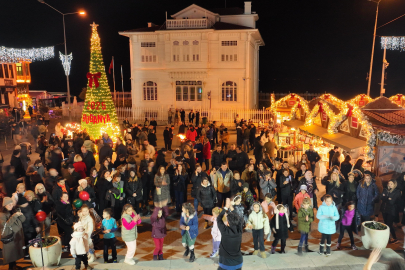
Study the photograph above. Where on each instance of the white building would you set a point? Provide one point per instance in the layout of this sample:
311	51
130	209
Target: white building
196	55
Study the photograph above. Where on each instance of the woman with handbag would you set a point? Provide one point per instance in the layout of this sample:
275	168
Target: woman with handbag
162	191
133	189
12	234
65	219
179	183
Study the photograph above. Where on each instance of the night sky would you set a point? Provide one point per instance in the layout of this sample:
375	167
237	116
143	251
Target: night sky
311	45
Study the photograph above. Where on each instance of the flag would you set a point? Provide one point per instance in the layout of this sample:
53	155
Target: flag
111	66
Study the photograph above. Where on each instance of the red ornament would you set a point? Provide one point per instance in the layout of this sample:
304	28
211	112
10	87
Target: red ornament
40	216
399	97
350	111
320	107
84	195
94	77
292	95
362	96
326	96
299	105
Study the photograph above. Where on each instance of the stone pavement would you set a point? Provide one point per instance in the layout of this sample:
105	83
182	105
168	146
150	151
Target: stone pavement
339	260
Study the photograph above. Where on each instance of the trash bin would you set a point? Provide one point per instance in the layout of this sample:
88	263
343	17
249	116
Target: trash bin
204	120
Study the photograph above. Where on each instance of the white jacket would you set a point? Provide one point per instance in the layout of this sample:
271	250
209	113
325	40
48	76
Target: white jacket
259	221
216	234
88	224
79	245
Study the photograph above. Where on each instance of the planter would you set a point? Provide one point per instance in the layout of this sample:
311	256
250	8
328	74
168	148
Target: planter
52	254
374	238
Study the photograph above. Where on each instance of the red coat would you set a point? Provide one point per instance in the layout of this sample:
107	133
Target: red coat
191	135
80	167
207	151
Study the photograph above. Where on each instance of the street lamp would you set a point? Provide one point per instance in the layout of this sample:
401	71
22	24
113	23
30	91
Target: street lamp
64	37
372	51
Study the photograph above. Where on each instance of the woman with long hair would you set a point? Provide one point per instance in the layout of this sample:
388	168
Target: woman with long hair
162	191
367	194
11	228
47	205
304	160
333	188
390	198
358	165
179	183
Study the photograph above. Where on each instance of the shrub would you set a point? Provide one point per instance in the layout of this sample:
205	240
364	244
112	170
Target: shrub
375	226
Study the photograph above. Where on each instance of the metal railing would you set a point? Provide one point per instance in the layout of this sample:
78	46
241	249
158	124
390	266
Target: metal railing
188	23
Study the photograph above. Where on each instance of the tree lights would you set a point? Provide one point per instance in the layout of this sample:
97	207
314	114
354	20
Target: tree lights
99	109
112	130
13	55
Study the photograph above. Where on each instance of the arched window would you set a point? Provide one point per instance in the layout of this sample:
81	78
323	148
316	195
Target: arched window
150	91
229	92
186	51
176	51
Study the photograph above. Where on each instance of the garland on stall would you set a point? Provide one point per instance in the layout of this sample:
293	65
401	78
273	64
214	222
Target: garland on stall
392	139
320	107
396	98
301	100
357	98
299	105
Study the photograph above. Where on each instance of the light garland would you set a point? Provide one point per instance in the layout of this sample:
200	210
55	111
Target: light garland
392	139
357	98
72	128
393	43
303	102
112	130
13	55
66	62
398	98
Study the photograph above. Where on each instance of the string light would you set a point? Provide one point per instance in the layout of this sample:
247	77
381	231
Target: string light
356	100
13	55
112	130
397	99
72	128
275	104
66	62
393	43
99	109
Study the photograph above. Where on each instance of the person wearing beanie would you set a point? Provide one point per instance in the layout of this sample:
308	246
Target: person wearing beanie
300	197
247	196
30	225
11	224
79	246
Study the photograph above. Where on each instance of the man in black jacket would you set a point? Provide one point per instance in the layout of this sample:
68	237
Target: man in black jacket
241	159
160	159
105	151
56	160
144	164
168	137
88	159
313	157
153	123
331	153
229	251
120	149
51	179
217	157
196	180
191	117
72	180
78	144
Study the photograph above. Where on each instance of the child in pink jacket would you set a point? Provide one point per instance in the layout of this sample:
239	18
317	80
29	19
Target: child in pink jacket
216	234
299	198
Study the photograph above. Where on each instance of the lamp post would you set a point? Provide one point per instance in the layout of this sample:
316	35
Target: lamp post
372	51
64	41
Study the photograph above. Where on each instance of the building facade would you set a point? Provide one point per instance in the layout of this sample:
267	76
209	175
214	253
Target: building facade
197	59
8	87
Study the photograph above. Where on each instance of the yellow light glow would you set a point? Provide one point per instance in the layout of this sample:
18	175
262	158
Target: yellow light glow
82	12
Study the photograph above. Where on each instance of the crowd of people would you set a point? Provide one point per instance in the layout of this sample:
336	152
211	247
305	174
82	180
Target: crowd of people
237	194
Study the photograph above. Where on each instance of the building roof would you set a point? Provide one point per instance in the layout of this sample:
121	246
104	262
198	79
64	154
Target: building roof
386	117
393	130
145	29
229	11
228	26
382	103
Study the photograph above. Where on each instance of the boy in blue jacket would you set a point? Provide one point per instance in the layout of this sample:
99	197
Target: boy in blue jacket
327	215
109	227
189	229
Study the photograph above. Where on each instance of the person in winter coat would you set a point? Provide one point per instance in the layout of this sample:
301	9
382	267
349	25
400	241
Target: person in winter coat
189	229
191	134
249	175
346	166
105	151
47	205
358	175
30	225
88	159
327	215
367	194
84	186
11	225
247	197
65	219
33	201
305	217
196	180
158	221
390	198
79	245
207	153
88	223
259	224
236	184
36	172
280	224
215	233
162	191
59	188
180	179
133	190
349	189
222	183
109	226
160	159
286	186
148	178
241	159
349	221
103	185
152	138
206	196
129	231
217	157
299	198
333	188
267	185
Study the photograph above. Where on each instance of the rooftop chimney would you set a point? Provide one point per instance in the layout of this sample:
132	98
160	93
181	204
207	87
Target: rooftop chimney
150	24
248	7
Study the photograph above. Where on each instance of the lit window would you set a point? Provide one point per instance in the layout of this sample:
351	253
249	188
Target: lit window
229	91
150	91
229	51
189	91
148	52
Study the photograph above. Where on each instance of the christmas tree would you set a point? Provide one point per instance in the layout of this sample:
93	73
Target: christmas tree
98	107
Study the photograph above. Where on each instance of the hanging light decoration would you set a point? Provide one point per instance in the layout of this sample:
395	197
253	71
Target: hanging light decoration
66	62
393	43
13	55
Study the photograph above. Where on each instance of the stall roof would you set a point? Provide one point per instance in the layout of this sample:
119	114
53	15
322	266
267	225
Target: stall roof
345	142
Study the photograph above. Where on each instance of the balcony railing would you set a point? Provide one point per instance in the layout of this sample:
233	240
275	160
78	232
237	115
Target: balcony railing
188	24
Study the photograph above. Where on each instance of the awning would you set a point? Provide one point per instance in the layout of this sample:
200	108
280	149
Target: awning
345	142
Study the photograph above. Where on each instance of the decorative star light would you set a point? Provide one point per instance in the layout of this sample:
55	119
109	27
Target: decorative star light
13	55
66	62
393	43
